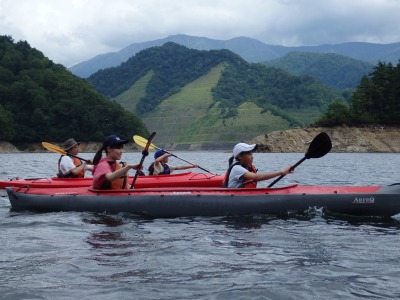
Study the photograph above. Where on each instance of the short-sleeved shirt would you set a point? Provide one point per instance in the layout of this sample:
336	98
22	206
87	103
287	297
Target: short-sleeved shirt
100	170
66	164
160	168
236	179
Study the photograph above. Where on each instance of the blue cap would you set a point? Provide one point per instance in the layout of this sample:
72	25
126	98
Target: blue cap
112	140
159	153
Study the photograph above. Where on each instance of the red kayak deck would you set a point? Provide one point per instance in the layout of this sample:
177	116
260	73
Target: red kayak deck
187	179
287	190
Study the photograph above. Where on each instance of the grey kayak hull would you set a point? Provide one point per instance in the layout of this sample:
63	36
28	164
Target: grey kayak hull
364	201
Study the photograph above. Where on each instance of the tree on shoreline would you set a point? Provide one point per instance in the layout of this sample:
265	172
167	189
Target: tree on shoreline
375	101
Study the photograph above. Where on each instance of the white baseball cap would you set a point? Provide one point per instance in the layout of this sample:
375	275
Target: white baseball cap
243	147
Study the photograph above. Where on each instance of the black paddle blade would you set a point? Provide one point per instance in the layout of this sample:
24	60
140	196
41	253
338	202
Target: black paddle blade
319	146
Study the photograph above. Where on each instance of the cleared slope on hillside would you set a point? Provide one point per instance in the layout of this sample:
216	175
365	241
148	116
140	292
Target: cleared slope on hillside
130	98
191	116
250	121
175	113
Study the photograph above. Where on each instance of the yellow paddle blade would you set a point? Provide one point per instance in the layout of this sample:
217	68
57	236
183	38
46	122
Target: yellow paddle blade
141	141
53	148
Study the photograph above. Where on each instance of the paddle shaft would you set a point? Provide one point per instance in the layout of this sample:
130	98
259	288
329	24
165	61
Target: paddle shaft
145	152
142	141
57	149
292	168
182	159
319	146
85	160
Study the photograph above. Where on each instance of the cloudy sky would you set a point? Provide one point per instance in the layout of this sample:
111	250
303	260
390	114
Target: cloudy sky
71	31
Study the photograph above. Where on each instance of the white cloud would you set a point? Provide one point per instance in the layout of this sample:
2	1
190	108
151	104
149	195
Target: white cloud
70	31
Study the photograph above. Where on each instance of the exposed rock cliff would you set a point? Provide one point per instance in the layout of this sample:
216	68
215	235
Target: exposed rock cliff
344	139
6	147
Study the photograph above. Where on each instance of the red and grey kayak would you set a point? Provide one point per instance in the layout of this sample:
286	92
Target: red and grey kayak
181	202
187	179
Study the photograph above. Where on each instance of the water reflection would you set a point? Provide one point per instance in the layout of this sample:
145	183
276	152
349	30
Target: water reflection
110	246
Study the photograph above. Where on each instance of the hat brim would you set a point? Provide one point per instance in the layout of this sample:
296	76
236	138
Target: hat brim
66	149
121	142
248	148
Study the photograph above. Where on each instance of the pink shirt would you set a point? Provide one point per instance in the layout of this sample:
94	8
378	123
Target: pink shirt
100	170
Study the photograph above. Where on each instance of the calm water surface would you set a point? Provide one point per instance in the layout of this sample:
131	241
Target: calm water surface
123	256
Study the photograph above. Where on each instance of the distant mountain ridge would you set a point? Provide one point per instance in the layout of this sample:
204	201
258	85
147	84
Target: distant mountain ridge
249	49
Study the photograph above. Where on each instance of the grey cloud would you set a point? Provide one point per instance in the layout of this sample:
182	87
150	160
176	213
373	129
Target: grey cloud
70	31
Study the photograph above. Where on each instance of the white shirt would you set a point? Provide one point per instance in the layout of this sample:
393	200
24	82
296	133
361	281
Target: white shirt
236	179
67	164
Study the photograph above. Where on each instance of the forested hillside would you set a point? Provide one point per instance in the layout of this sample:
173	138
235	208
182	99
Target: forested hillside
270	87
163	85
375	101
40	100
337	71
173	67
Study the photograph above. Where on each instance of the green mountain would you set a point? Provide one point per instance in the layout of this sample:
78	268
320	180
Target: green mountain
337	71
191	96
43	101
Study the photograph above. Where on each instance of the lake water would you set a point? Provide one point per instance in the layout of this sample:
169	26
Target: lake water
123	256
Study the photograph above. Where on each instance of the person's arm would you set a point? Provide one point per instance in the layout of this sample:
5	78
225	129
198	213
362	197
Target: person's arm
266	176
159	159
67	166
119	173
78	169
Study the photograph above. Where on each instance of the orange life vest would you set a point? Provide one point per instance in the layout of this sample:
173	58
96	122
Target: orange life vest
248	184
122	182
119	183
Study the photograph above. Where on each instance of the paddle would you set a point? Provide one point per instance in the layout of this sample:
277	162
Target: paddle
319	146
54	148
142	141
145	152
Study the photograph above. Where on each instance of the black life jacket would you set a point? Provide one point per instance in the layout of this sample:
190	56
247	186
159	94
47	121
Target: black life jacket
248	184
166	171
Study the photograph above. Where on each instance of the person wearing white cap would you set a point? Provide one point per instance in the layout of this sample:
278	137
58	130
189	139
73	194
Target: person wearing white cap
69	166
107	173
242	170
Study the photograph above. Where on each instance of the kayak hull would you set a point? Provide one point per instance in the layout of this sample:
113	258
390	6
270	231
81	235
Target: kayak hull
185	202
187	179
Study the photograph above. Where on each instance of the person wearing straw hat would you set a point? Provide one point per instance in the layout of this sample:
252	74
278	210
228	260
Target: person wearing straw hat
240	174
69	166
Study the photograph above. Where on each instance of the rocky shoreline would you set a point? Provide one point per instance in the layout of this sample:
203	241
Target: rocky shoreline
344	139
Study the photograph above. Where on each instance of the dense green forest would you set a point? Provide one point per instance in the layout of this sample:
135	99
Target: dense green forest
375	101
174	66
270	87
337	71
40	100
